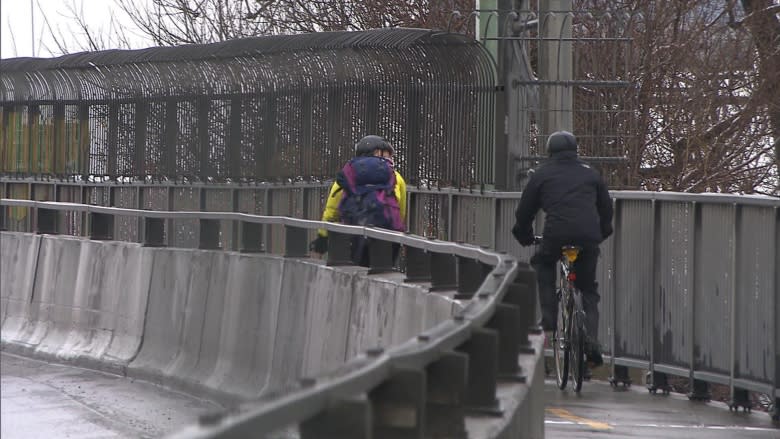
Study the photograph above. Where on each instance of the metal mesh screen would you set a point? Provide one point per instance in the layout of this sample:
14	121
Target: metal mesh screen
276	108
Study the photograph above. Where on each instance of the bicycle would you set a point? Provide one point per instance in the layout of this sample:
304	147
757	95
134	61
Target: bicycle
568	338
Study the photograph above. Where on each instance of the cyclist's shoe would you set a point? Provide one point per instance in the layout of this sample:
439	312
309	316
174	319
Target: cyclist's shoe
593	354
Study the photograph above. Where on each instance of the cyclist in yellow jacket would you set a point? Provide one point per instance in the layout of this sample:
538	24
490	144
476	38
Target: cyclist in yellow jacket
367	146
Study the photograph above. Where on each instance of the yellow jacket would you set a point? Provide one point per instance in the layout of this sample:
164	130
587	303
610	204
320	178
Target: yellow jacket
331	213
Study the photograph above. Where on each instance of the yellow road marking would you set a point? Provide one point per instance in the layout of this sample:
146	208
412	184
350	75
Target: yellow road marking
561	413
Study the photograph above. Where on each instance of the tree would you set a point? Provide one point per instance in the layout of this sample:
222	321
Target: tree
173	22
705	96
83	36
763	22
702	115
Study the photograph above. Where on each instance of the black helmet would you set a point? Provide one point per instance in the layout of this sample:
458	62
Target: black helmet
368	144
561	141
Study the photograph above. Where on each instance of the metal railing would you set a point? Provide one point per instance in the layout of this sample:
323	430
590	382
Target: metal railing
439	376
689	282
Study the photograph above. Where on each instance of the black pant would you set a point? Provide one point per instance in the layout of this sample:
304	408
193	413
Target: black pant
545	263
361	252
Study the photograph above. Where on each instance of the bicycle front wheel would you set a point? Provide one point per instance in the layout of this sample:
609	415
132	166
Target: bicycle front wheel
561	344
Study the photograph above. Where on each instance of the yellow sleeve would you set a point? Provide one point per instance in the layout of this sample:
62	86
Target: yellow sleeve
331	212
400	194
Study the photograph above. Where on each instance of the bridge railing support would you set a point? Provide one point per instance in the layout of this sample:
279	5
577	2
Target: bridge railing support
429	385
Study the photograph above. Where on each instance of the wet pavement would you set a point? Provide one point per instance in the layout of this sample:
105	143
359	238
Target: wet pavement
601	411
45	400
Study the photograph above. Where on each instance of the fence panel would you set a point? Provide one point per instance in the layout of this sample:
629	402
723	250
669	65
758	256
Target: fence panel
634	287
673	298
714	271
755	314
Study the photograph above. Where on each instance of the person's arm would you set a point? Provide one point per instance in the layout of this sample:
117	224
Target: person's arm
604	206
400	194
523	230
331	212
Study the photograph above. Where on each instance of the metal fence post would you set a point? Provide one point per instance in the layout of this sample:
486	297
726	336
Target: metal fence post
101	226
482	351
444	410
46	221
508	323
470	277
209	234
398	405
654	283
251	240
700	390
523	297
339	249
347	419
154	232
736	223
418	265
443	272
775	413
295	245
380	256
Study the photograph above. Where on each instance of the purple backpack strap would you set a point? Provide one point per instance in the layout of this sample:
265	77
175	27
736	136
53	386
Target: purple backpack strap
348	172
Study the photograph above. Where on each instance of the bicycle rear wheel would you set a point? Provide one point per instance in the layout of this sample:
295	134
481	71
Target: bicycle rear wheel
578	345
561	345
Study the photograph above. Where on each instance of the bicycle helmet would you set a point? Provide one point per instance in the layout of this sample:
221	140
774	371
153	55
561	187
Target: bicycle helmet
368	144
561	141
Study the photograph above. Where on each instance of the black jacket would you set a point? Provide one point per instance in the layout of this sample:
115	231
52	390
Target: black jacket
574	198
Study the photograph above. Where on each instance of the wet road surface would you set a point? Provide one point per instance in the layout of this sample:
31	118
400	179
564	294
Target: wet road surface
603	412
45	400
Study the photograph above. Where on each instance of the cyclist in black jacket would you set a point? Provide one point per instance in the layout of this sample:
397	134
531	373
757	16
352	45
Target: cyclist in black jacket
578	212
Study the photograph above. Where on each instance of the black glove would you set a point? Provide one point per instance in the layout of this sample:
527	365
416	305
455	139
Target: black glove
319	245
524	238
606	230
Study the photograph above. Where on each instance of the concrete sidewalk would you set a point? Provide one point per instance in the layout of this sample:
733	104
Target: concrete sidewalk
602	411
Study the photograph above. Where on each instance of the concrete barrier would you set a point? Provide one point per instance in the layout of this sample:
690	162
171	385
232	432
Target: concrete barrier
18	260
235	327
219	324
86	302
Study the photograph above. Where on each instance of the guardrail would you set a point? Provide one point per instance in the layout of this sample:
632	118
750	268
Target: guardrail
427	385
689	282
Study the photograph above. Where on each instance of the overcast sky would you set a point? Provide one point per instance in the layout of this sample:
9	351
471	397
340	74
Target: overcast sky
16	28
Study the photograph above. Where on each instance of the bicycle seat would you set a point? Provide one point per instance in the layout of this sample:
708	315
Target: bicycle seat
571	252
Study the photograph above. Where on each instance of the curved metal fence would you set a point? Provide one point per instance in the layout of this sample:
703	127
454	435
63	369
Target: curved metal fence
274	108
439	379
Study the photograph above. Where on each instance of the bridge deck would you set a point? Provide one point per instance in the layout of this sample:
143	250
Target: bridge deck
601	411
95	404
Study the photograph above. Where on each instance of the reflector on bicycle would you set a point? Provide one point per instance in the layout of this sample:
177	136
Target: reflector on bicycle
571	253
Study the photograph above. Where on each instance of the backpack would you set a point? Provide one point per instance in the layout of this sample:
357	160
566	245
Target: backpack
369	194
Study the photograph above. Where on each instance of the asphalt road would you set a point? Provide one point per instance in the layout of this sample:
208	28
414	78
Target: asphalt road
45	400
601	411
